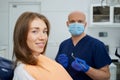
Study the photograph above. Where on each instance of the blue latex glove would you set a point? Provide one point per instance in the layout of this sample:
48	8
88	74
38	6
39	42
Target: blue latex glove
80	65
63	60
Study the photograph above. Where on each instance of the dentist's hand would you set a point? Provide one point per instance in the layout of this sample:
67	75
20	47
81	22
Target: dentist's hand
80	65
63	60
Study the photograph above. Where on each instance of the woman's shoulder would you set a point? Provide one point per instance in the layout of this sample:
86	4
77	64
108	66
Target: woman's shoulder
19	67
20	73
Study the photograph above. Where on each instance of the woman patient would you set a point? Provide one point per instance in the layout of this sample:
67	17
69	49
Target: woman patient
30	39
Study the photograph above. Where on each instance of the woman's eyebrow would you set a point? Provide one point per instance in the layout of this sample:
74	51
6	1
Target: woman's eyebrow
38	28
34	28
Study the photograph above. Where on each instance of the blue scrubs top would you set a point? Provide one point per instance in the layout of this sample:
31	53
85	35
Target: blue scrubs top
92	50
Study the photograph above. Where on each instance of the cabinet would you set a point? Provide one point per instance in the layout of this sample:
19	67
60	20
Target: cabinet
103	14
116	18
118	70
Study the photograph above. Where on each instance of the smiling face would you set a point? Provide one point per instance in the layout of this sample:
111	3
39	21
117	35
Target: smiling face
37	36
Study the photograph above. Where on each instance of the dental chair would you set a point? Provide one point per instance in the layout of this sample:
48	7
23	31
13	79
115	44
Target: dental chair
6	69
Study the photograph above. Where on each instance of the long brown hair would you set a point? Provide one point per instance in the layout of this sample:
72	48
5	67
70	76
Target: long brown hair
21	50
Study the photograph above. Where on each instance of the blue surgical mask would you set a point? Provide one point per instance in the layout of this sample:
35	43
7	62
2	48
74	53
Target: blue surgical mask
76	29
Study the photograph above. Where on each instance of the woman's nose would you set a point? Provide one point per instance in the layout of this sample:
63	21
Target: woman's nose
42	36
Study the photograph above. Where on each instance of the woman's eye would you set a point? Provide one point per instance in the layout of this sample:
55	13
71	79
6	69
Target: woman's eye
34	31
45	32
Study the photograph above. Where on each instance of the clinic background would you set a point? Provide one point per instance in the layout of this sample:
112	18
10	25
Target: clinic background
56	11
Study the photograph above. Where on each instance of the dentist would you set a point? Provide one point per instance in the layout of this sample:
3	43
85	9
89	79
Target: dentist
84	57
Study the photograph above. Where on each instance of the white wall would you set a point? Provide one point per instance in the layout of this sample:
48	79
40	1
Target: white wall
57	11
3	28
